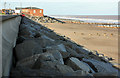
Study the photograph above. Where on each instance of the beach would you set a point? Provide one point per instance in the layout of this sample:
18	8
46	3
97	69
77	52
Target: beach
103	40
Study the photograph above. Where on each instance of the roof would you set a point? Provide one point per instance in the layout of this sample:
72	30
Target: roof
27	8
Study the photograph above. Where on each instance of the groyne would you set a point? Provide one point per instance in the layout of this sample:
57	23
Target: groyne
104	25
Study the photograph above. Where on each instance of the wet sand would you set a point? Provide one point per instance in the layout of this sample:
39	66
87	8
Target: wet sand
103	40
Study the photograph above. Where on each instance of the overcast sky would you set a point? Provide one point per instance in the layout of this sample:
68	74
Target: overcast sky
68	7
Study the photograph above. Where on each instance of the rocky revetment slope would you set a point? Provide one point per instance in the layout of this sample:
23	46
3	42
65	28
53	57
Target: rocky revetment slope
41	52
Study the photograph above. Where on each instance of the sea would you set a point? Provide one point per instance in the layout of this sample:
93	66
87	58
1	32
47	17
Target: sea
91	18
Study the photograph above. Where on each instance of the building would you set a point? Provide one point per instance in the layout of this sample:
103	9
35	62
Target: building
8	11
33	11
17	11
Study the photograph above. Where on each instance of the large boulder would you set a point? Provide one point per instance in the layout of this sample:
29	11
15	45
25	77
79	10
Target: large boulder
44	60
46	41
71	45
72	52
63	51
45	37
57	55
28	62
64	68
102	66
55	66
23	26
61	47
37	35
50	60
27	49
28	72
76	64
25	32
65	55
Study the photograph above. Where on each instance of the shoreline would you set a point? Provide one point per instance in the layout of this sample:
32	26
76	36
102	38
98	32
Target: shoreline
99	24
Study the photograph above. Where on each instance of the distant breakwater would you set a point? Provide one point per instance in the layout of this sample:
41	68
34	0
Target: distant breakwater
104	25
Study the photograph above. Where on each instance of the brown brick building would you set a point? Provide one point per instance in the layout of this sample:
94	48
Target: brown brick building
33	11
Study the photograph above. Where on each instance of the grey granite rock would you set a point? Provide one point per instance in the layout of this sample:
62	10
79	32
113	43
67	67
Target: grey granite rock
27	49
102	66
29	61
76	64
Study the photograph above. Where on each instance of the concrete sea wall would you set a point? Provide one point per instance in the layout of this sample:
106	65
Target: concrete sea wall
9	31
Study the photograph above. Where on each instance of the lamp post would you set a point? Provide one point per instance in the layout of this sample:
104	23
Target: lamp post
21	7
5	5
9	6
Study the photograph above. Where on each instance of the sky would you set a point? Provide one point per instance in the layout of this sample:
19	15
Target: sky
68	7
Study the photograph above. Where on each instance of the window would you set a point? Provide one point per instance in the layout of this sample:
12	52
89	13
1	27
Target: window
34	11
40	11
